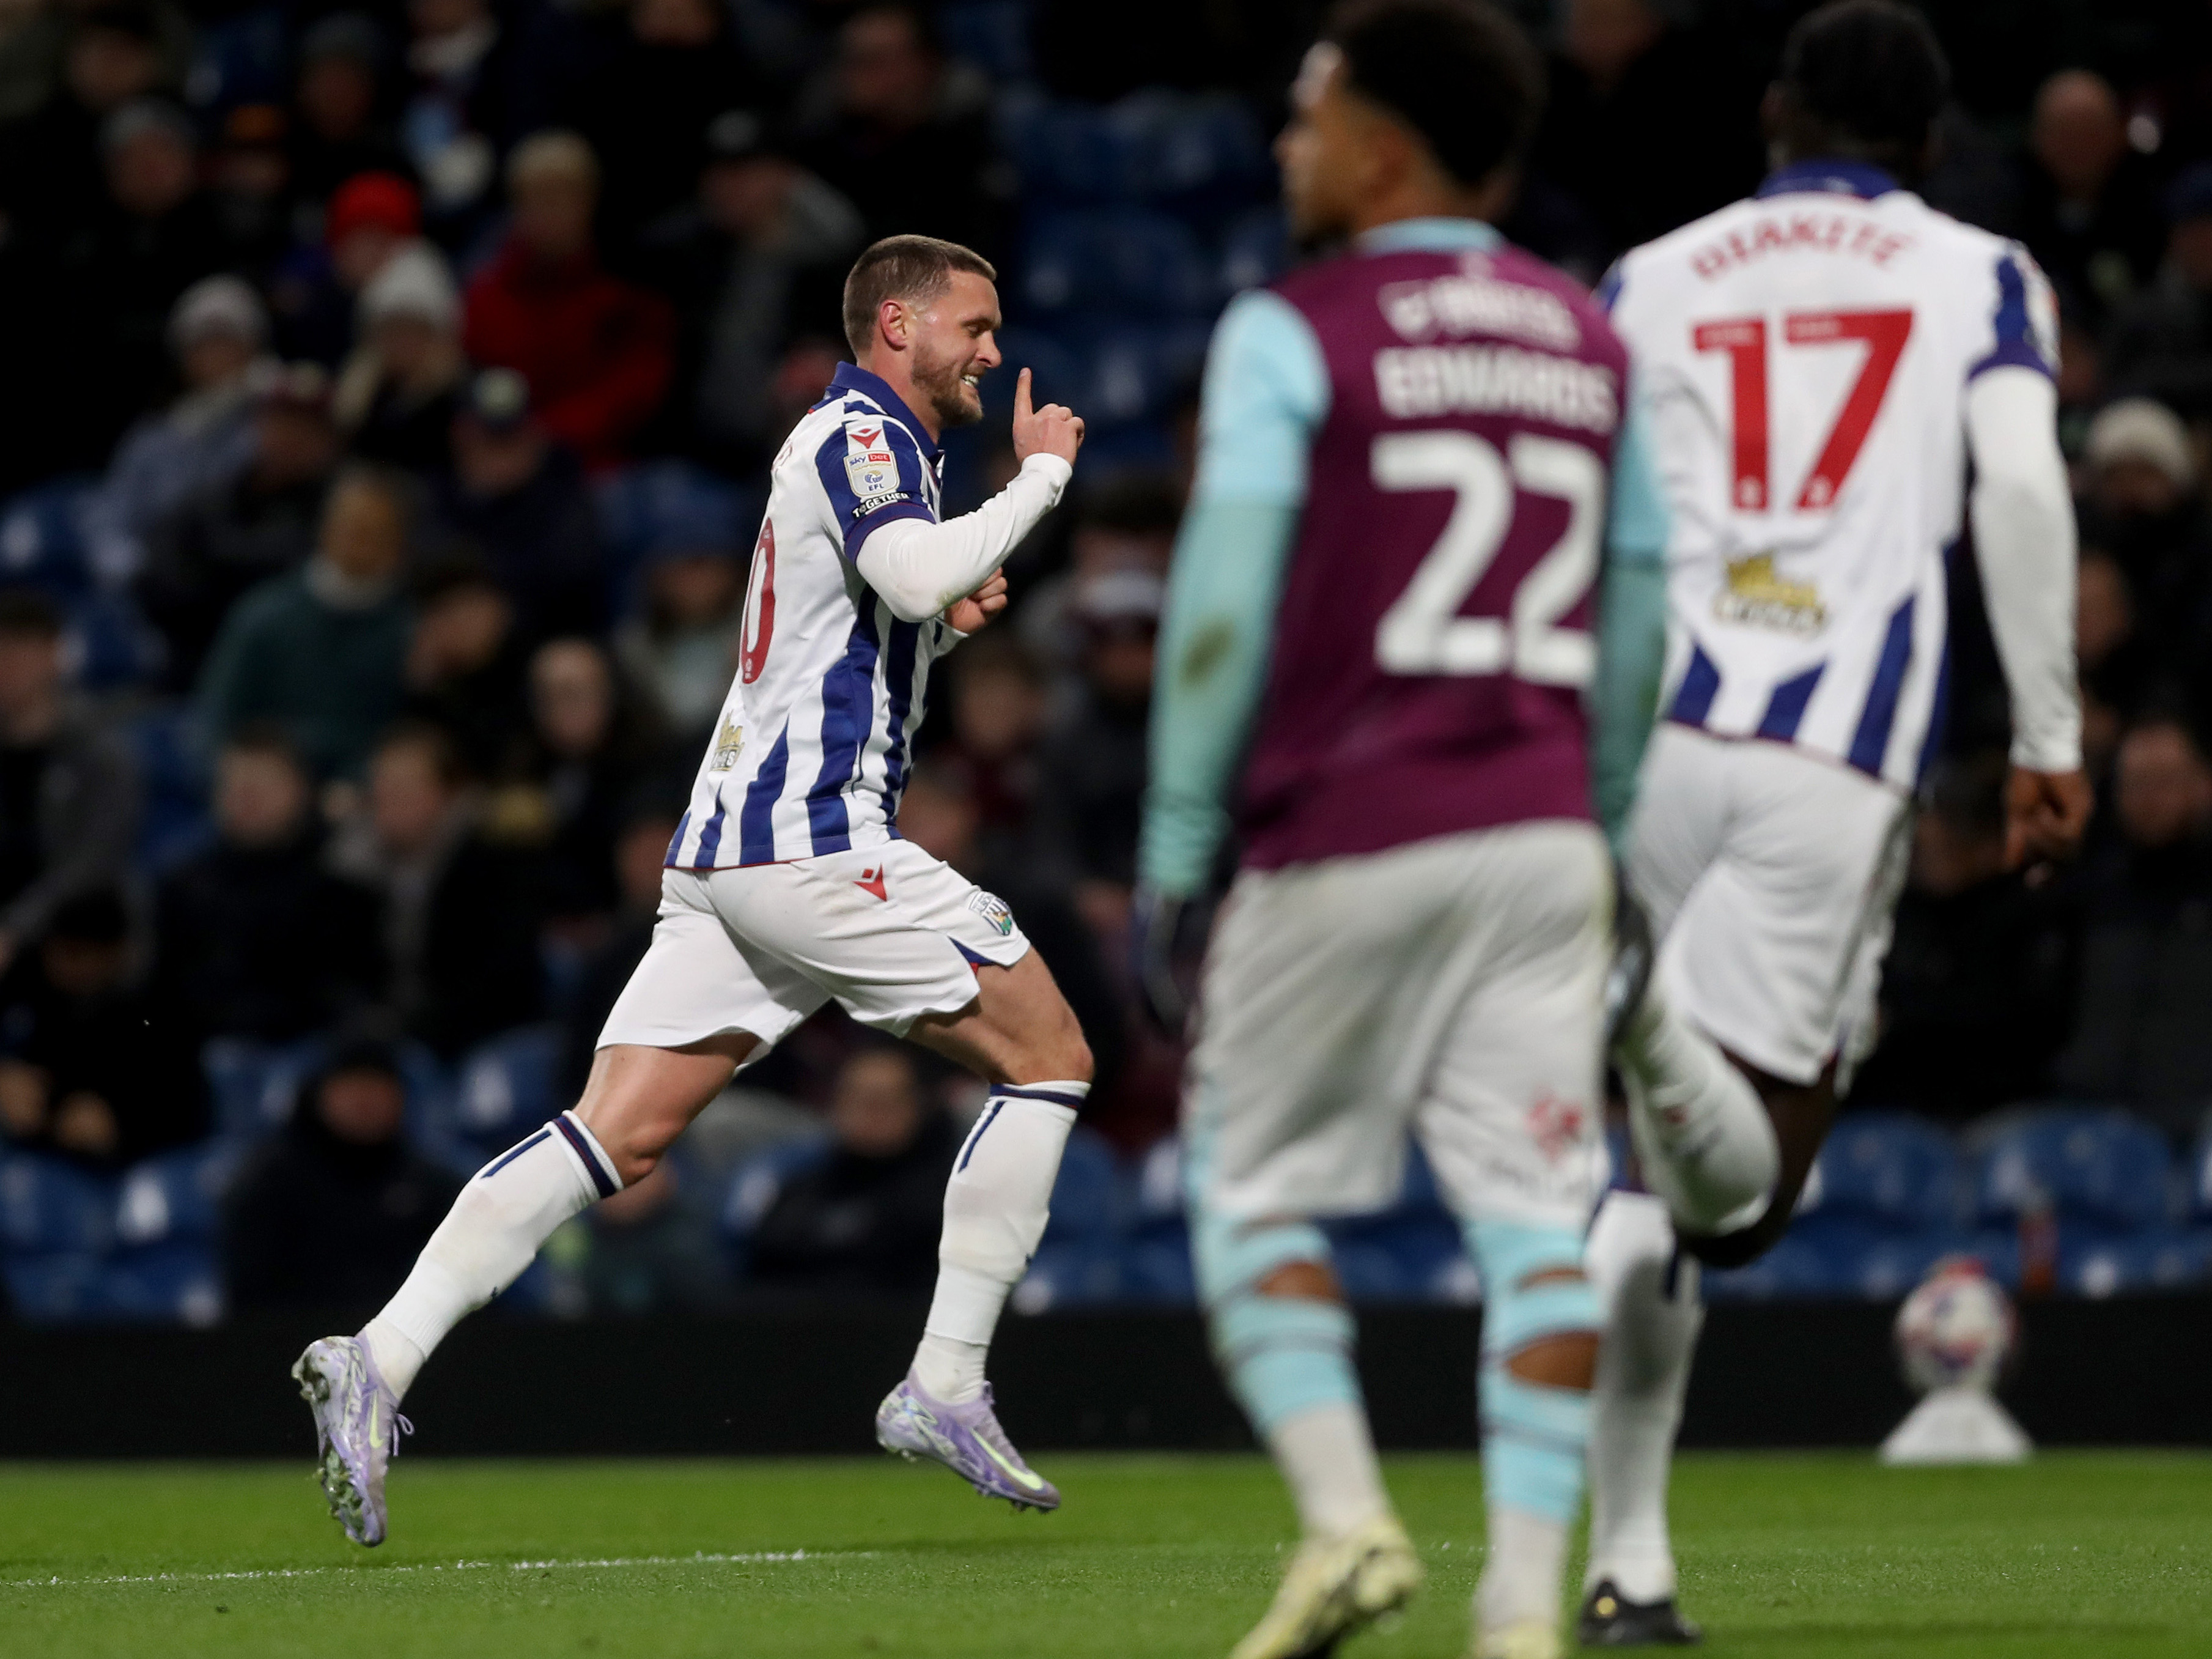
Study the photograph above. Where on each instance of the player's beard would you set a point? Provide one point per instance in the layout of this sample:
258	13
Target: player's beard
954	402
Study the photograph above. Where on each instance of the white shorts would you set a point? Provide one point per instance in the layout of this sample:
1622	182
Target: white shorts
1770	875
889	931
1451	987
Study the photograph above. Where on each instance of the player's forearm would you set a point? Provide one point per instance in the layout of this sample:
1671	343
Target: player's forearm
919	568
2023	518
1631	656
1213	667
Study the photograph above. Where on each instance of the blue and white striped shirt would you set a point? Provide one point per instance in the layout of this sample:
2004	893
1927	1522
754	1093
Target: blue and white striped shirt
812	745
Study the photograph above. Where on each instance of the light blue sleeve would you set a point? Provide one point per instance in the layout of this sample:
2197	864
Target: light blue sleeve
1266	391
1632	644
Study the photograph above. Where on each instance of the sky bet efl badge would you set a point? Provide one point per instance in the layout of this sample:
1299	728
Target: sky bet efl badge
869	466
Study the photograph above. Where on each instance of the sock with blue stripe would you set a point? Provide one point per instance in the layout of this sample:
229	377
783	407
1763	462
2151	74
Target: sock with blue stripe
1533	1435
508	1209
1288	1360
995	1208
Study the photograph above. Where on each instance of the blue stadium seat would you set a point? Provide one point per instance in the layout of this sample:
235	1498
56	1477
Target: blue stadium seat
1130	372
44	533
757	1180
2198	1202
1056	373
2157	1261
1121	261
1071	152
992	34
1086	1197
1197	149
1155	1256
53	1287
1076	1274
504	1087
1254	249
177	1282
1896	1172
2103	1170
1793	1267
172	774
177	1195
256	1085
661	505
49	1206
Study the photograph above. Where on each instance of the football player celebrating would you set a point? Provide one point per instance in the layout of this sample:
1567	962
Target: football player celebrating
788	884
1415	458
1821	362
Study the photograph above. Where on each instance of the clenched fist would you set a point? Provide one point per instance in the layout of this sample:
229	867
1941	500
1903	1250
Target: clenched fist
1056	429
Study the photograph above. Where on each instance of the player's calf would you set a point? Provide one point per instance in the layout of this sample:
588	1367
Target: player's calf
1701	1130
1539	1353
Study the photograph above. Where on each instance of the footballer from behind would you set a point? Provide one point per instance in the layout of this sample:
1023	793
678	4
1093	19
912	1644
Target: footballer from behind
788	886
1823	361
1421	482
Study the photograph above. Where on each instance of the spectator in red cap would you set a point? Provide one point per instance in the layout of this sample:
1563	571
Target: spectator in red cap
595	349
370	217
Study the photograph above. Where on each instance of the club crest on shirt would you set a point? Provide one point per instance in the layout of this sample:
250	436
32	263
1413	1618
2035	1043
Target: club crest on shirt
726	745
993	910
1756	598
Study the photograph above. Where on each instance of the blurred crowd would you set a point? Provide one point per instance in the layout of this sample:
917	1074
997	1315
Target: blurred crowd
392	385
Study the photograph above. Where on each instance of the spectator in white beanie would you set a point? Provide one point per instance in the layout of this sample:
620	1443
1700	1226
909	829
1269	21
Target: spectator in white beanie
398	391
2141	505
216	331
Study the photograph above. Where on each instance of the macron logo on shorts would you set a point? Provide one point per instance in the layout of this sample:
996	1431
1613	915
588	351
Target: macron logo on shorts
871	881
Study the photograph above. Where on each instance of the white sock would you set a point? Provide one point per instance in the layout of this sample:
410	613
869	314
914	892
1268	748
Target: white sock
1643	1371
1702	1133
995	1207
506	1210
1520	1569
1327	1456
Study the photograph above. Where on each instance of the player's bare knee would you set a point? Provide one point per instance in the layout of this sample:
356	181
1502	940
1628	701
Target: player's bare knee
1565	1360
1304	1281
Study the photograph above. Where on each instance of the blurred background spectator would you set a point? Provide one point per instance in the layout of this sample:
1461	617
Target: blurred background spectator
328	1209
392	401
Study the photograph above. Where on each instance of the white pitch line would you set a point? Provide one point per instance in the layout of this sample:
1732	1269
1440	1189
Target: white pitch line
702	1558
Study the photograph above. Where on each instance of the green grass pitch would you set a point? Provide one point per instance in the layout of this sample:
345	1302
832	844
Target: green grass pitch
1795	1556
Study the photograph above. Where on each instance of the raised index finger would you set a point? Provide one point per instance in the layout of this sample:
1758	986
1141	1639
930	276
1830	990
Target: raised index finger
1022	396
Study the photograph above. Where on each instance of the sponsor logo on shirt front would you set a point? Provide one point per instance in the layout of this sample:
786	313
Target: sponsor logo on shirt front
1755	596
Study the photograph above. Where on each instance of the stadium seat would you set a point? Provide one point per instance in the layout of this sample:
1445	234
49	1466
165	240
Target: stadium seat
1197	149
49	1207
1086	1197
754	1186
1898	1174
45	535
1076	1274
1156	1255
178	1282
1793	1267
177	1195
106	643
659	504
1056	374
1070	153
1254	249
2158	1260
992	34
2105	1170
54	1287
1128	372
504	1087
172	777
256	1085
1114	261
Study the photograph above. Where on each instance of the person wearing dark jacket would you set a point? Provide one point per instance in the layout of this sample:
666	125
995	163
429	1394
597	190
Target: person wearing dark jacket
642	846
332	1207
521	500
256	938
865	1220
91	1066
69	785
461	911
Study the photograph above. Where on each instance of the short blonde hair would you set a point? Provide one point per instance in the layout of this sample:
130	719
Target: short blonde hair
554	154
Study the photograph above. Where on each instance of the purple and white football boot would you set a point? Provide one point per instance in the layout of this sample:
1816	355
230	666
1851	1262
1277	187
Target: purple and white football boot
357	1430
967	1439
